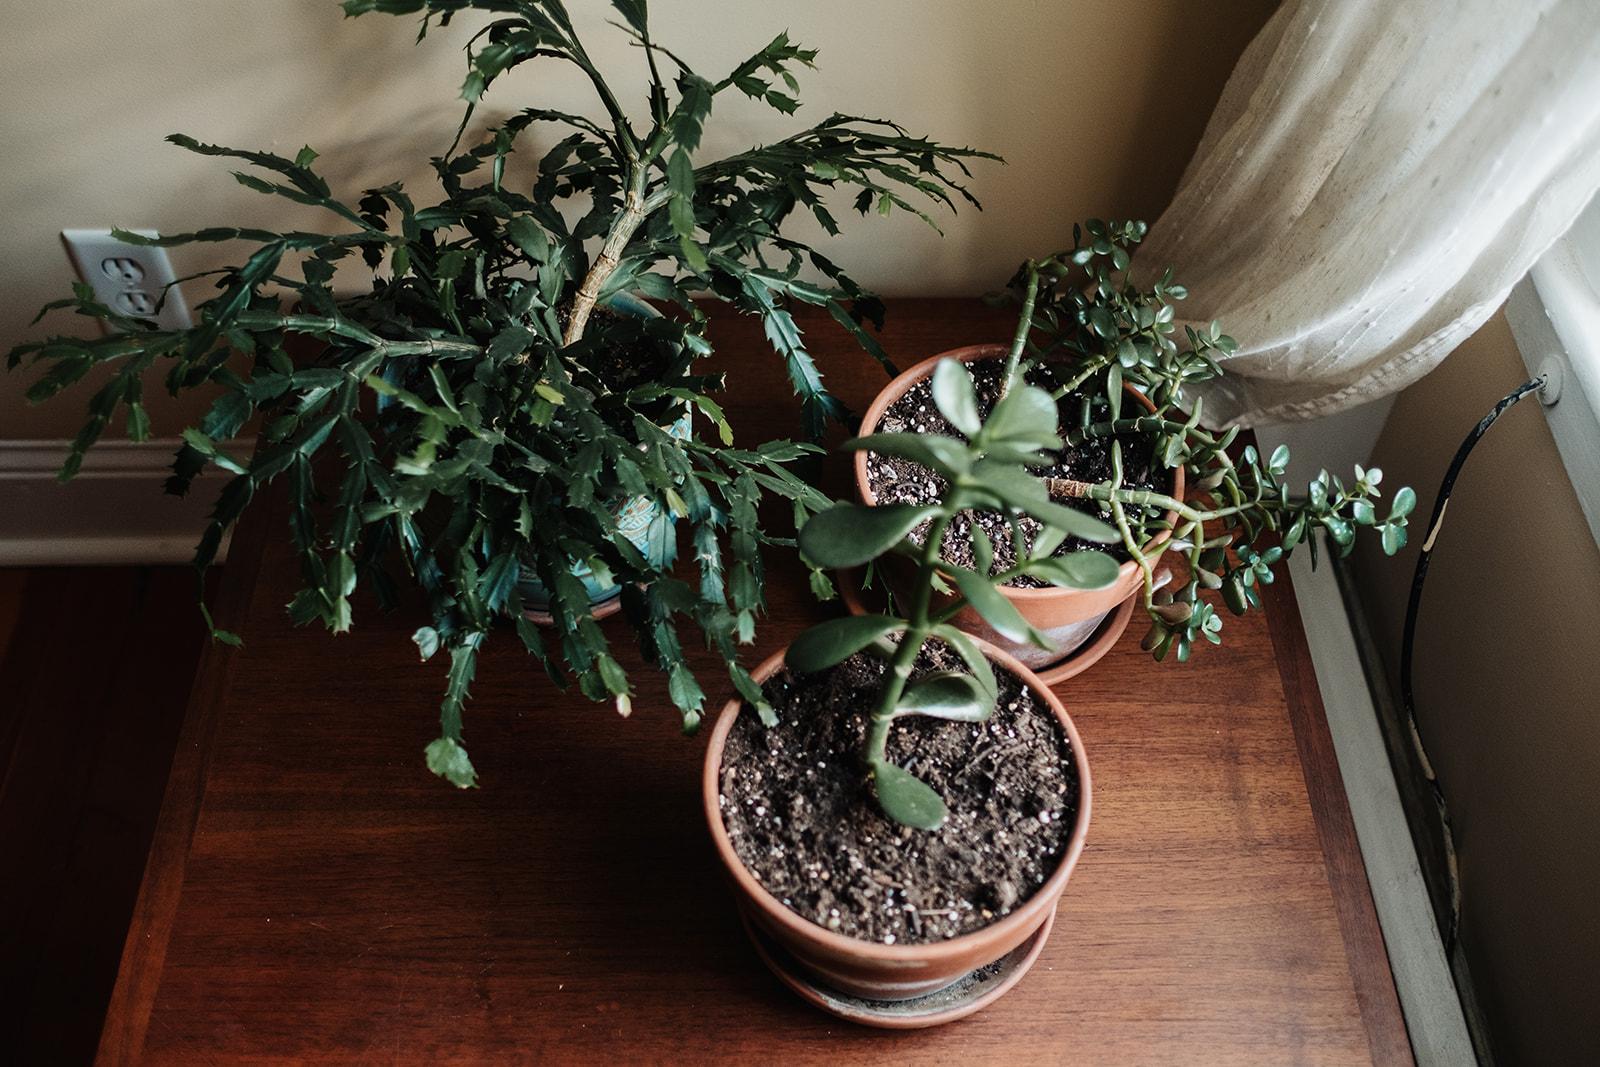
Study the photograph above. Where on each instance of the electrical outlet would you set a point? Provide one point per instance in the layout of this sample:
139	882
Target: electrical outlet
136	280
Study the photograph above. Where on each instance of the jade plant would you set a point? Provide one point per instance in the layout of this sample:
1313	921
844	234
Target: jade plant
1086	328
461	410
989	469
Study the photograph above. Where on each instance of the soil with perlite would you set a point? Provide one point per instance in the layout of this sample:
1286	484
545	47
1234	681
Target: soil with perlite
900	481
801	813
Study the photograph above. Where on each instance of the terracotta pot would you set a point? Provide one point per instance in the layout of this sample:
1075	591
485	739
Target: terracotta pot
1069	617
837	970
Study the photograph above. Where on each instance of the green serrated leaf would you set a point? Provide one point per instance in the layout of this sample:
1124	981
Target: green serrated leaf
199	442
633	11
680	179
683	690
527	235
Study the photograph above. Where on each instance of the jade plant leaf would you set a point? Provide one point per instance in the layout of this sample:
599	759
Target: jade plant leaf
947	695
1010	485
848	535
1025	416
1006	485
1077	570
938	453
1405	501
1075	523
953	392
972	656
996	610
982	551
1394	539
833	641
906	798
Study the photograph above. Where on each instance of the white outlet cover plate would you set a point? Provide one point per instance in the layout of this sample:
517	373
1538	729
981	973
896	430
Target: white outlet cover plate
136	280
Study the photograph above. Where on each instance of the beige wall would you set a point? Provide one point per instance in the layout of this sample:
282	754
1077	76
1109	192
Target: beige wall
1096	103
1505	662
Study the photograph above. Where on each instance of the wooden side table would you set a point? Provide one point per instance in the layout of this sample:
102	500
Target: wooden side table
314	895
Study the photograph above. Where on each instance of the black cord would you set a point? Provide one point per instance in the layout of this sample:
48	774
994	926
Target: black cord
1406	642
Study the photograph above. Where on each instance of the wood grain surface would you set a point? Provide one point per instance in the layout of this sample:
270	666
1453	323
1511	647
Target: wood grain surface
315	896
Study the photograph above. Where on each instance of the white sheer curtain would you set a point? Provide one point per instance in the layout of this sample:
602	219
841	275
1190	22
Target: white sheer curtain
1377	176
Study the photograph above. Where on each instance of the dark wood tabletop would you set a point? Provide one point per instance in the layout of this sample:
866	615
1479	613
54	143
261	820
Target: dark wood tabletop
314	895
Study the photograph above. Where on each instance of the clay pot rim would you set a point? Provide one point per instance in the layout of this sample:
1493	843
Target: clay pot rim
1019	922
903	382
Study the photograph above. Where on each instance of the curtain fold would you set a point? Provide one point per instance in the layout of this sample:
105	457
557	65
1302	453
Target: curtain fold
1376	177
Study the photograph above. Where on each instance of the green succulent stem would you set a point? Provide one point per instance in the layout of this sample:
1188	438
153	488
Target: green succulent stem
1091	367
918	630
1119	519
1019	339
317	326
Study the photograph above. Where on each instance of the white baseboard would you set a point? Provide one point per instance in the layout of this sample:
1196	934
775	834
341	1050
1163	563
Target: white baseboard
1422	976
113	512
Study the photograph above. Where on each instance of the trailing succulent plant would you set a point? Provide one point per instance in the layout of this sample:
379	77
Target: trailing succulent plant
988	469
486	421
1085	329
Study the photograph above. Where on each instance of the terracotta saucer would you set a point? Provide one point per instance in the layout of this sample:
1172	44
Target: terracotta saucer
976	990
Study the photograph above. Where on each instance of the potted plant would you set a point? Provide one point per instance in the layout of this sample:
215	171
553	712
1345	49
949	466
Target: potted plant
1102	347
867	890
493	417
